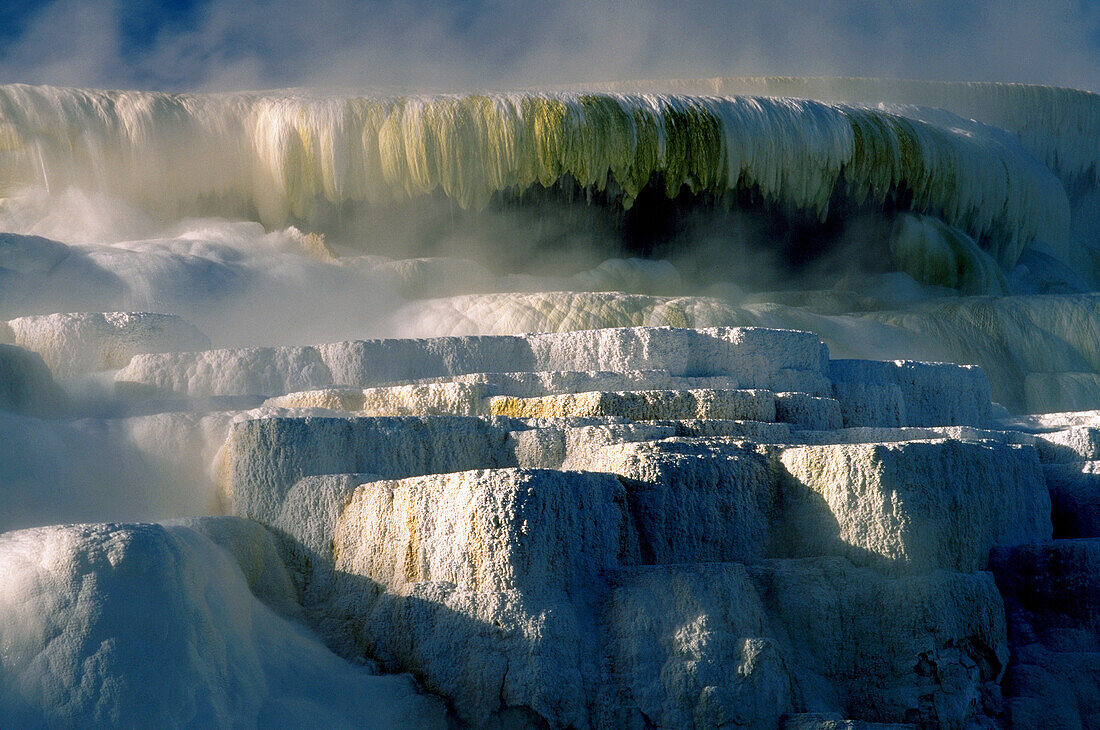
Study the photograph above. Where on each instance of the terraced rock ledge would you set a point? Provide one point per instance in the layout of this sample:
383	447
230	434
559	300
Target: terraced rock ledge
645	527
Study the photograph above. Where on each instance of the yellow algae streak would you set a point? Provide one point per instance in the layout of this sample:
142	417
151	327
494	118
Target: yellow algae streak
288	157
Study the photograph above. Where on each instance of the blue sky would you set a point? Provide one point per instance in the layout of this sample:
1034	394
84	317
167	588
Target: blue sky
237	44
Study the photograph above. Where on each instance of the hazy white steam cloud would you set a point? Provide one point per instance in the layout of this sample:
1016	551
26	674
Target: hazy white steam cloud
223	44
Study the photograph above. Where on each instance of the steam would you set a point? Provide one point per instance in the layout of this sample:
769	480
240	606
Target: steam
500	176
240	284
293	218
306	217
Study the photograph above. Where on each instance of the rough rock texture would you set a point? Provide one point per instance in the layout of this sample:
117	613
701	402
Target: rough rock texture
433	399
1052	599
200	649
473	395
805	411
718	645
1074	498
870	435
932	394
497	570
1076	443
755	358
80	343
504	659
679	553
692	503
263	458
249	371
647	527
373	362
645	405
870	404
531	384
488	531
913	506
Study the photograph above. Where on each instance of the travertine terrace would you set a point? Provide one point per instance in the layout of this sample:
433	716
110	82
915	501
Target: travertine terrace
739	403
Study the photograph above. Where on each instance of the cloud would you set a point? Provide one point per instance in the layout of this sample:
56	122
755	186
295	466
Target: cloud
224	44
65	42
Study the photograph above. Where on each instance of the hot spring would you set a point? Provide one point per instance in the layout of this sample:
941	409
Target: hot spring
762	402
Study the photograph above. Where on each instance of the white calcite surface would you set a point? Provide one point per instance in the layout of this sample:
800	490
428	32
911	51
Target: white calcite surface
531	384
430	399
81	343
201	648
623	526
645	405
743	487
811	413
875	434
692	503
915	506
727	644
719	536
754	358
1041	422
247	371
747	532
1052	599
491	654
263	458
477	394
1053	336
487	531
932	394
1076	443
870	404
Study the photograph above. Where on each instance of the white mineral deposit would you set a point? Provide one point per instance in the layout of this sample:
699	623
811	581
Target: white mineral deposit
700	402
